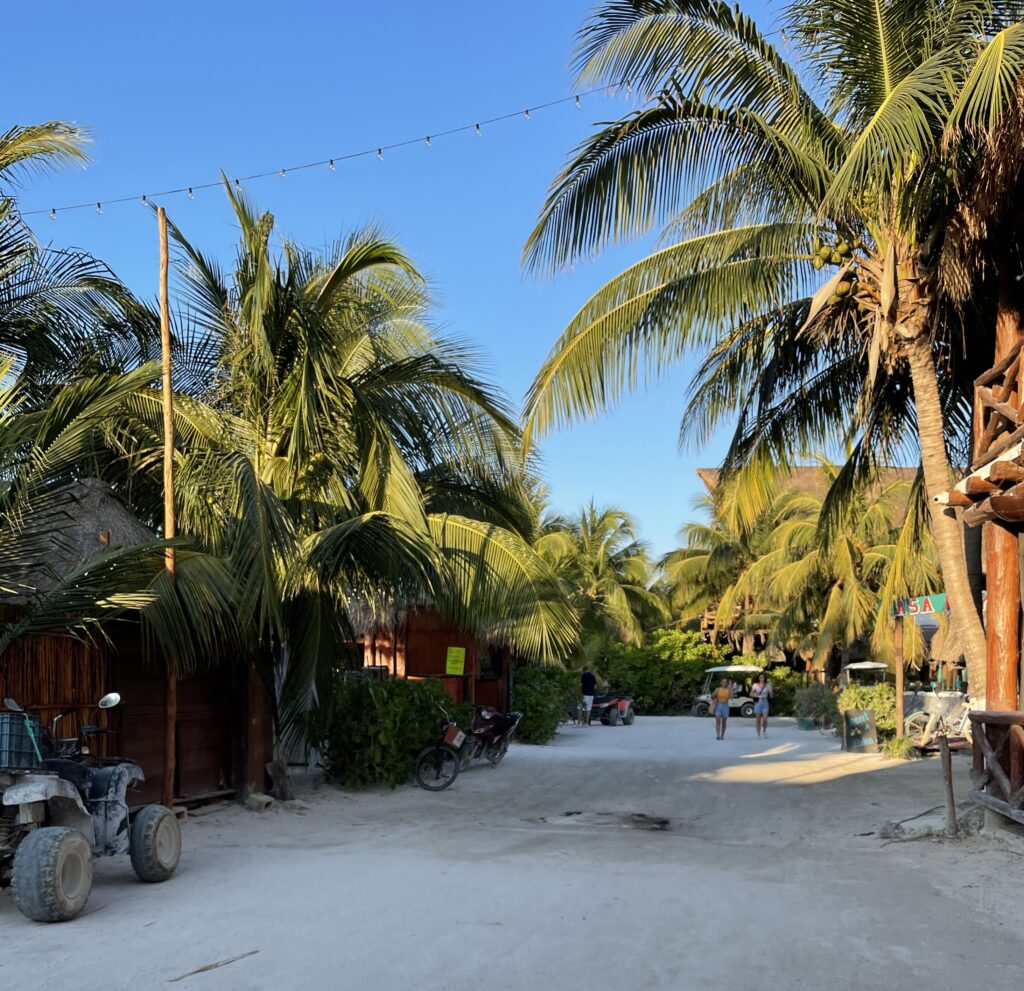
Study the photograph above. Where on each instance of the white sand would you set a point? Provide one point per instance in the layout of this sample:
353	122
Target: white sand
764	881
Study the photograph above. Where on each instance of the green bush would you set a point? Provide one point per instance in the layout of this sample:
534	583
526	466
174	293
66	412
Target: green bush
663	676
544	696
370	731
819	703
785	683
881	698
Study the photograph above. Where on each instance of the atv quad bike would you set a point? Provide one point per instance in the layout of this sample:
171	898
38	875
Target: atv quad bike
613	709
60	807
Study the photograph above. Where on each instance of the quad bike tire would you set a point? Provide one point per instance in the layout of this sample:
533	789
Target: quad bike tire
52	874
612	718
629	718
747	710
155	843
702	709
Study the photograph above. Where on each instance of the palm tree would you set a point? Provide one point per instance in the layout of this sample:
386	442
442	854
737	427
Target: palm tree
708	572
758	184
340	456
608	573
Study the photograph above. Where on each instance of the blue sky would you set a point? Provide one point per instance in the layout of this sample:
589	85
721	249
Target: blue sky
174	93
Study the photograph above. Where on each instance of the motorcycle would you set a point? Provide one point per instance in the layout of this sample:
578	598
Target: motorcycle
60	806
488	738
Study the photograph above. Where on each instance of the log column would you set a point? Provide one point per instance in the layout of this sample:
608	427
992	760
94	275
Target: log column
1002	559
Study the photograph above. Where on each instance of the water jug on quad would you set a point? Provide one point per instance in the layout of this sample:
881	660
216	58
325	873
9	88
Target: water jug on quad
60	806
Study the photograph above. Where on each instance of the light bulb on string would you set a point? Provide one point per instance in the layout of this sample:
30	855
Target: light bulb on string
578	104
191	195
282	173
526	114
53	214
478	132
330	165
427	140
99	208
380	154
143	200
238	185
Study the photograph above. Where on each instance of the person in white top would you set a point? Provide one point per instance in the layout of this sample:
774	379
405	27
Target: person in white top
762	692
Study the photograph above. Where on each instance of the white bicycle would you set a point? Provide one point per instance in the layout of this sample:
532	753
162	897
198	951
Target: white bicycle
926	727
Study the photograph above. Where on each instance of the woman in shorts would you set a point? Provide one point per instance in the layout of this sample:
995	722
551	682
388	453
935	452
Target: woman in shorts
720	701
762	692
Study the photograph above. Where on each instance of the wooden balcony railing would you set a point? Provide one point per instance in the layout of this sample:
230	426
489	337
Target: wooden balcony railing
998	772
998	420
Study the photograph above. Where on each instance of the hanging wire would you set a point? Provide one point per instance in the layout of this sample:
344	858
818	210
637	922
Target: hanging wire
379	150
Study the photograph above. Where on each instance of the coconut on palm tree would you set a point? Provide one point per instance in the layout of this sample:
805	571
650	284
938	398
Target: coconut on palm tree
764	174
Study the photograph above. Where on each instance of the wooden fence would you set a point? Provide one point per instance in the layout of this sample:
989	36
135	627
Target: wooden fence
998	771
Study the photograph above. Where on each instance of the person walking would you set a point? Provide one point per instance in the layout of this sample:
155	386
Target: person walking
762	692
588	684
720	700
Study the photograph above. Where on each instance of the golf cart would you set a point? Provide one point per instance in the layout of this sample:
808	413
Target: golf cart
60	806
871	671
741	703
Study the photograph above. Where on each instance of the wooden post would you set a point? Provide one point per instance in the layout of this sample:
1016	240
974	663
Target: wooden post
897	638
171	693
1002	571
947	778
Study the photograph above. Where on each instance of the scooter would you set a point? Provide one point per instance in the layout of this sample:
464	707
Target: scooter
60	806
488	738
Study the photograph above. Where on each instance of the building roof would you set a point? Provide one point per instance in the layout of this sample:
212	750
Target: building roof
87	517
812	480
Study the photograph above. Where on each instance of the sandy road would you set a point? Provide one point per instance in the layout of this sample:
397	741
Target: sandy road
771	875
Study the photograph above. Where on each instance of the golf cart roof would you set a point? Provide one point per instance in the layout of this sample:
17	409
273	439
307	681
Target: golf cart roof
866	666
733	668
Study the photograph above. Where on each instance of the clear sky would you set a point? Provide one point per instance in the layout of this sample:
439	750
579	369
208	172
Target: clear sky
172	93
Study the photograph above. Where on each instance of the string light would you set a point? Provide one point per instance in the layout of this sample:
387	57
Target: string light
189	190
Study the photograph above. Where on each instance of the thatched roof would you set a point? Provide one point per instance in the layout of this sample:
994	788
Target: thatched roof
813	480
85	518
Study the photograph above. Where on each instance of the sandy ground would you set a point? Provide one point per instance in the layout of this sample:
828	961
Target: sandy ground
772	875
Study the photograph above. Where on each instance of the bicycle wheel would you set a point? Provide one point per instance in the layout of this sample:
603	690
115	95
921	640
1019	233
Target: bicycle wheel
437	767
916	724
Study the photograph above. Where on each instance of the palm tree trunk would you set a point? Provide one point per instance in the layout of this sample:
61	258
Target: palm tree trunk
946	528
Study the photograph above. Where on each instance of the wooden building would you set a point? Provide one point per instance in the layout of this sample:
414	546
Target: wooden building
415	645
223	722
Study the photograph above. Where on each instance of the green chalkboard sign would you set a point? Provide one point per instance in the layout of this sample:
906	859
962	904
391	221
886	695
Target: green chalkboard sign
859	735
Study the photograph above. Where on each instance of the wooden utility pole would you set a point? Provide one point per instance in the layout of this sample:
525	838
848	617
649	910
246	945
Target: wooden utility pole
897	639
171	693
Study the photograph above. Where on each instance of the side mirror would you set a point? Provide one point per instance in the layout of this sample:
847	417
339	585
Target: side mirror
110	700
12	705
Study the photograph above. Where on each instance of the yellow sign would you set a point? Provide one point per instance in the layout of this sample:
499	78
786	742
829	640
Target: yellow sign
455	663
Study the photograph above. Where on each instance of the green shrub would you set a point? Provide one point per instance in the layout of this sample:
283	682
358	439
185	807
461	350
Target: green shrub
544	696
819	703
881	698
785	683
663	676
370	731
904	749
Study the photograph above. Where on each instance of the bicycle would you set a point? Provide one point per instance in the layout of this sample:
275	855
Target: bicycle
929	726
